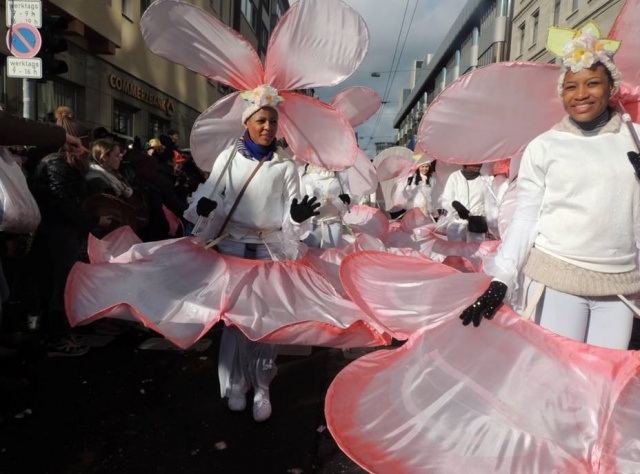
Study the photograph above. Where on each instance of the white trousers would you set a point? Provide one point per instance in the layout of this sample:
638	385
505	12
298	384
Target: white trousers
243	363
604	321
457	230
324	235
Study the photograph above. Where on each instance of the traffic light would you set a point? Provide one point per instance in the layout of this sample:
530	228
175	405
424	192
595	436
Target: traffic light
53	42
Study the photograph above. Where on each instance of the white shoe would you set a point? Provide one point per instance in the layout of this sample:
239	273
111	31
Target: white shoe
261	406
237	400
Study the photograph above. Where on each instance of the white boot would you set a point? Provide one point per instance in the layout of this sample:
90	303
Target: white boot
237	399
261	405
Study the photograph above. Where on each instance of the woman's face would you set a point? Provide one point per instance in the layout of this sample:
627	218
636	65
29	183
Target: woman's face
424	169
113	159
263	126
586	94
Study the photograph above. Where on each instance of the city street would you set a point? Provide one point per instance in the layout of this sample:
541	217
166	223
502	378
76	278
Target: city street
122	409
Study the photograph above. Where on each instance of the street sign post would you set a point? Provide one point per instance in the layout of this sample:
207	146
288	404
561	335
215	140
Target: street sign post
23	11
23	40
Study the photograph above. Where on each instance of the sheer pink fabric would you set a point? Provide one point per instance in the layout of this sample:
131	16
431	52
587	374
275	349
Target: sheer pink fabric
488	107
363	179
357	104
307	49
367	220
180	289
505	397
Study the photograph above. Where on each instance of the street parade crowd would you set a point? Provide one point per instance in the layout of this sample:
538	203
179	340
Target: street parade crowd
267	227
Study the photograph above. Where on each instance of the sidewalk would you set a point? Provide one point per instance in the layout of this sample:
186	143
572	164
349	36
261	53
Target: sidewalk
121	409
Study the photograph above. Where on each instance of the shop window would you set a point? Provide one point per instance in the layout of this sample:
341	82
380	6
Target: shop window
127	8
51	95
123	116
157	126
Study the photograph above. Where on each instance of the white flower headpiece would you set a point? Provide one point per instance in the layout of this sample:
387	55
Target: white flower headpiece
262	96
581	49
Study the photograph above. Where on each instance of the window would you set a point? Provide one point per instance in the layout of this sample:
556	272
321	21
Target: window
521	36
53	94
556	13
123	116
536	22
144	4
127	8
157	126
249	11
264	35
575	4
217	6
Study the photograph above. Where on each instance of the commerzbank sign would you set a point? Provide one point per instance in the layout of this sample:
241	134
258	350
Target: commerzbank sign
143	95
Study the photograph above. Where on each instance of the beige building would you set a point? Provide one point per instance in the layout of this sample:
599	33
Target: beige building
114	81
487	31
532	18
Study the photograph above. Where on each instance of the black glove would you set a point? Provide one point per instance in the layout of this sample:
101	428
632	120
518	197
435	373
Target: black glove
345	198
486	305
634	158
478	224
307	208
462	211
205	206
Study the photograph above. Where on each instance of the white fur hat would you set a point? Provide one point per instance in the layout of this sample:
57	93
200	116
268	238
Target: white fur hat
261	96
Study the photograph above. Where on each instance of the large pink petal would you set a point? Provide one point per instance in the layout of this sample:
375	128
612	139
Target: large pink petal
406	294
491	113
367	220
194	38
216	129
316	132
180	289
357	104
393	162
505	397
363	178
316	44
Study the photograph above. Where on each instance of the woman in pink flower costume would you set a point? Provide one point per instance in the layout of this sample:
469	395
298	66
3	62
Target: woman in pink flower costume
578	278
250	206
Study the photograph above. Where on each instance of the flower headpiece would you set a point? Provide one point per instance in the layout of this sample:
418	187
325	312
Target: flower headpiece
262	96
419	159
580	49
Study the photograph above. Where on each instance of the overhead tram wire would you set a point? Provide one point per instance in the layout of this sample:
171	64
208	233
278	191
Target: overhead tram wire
394	70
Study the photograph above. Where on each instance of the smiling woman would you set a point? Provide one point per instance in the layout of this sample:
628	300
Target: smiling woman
578	279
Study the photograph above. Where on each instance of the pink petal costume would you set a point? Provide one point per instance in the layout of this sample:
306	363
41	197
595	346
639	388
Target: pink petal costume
508	396
182	289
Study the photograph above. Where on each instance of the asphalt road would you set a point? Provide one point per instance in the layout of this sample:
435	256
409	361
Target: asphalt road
121	409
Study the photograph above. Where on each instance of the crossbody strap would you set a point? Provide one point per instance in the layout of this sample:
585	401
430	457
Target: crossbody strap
240	194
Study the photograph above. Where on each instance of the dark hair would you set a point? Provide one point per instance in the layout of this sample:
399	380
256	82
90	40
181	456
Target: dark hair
172	132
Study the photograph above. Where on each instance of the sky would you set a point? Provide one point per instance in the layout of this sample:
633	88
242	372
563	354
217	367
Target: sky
426	23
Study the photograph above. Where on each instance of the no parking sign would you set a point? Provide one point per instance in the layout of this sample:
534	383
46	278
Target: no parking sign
23	40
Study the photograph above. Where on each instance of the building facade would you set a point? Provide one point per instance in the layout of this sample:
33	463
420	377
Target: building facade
114	81
487	31
532	18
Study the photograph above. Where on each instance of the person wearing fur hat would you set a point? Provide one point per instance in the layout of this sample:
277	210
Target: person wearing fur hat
253	212
576	277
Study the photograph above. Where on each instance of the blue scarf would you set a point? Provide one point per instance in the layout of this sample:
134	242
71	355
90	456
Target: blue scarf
255	151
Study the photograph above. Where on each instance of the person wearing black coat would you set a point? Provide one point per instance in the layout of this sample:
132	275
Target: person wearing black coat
59	188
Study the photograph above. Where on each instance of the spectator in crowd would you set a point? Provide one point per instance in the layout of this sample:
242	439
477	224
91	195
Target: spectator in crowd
59	188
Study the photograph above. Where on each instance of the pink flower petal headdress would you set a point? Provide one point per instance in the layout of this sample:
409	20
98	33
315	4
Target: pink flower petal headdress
317	43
